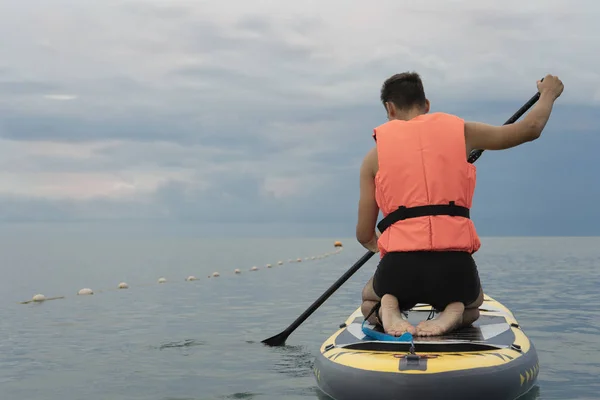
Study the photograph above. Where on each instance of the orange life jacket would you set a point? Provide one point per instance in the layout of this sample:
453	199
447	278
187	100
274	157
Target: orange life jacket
423	162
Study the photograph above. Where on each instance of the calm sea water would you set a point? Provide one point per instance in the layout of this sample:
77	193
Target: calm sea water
201	339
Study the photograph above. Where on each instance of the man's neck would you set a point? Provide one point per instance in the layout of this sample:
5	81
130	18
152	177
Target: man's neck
408	115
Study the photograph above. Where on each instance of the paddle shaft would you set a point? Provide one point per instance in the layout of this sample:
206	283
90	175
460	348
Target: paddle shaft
280	338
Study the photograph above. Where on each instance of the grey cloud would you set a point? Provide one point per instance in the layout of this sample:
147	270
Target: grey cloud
204	36
239	125
229	79
20	209
255	23
270	105
263	24
164	155
510	21
10	87
29	209
120	85
237	104
236	197
517	190
200	36
159	11
71	128
140	127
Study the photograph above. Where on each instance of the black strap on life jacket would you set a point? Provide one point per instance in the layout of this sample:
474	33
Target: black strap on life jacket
403	213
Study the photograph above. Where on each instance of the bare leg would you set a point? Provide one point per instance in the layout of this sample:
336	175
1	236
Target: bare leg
469	316
393	323
389	311
369	300
448	320
455	316
471	313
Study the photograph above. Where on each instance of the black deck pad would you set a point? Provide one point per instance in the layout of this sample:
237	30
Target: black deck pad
489	331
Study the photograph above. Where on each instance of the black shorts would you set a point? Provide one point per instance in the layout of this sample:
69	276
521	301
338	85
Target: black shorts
437	278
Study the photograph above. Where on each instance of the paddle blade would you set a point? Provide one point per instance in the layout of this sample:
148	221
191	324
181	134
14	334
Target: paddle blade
280	339
277	340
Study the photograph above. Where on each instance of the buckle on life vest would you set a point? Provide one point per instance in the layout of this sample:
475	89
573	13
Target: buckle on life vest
452	210
403	212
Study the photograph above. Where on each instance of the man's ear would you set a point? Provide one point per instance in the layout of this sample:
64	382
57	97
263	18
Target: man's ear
391	110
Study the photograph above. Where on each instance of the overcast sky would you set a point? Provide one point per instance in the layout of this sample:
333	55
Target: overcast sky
261	111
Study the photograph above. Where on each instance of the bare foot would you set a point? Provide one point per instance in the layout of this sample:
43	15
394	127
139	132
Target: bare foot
393	323
447	321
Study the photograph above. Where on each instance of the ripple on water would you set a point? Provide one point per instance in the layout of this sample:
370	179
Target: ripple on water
241	395
181	344
294	361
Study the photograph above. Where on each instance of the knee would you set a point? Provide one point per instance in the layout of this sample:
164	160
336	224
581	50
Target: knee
364	294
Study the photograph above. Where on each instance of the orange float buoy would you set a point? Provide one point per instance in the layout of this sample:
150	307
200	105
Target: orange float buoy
337	243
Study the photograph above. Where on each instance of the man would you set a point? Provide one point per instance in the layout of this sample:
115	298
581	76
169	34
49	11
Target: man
418	175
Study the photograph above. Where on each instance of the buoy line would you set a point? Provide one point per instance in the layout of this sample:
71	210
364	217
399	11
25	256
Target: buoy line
41	298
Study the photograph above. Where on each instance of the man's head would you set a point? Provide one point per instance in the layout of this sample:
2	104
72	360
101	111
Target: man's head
403	96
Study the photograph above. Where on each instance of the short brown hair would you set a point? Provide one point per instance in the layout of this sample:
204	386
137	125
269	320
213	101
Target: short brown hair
405	90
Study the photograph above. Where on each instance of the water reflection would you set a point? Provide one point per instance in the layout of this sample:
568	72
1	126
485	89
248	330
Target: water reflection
533	394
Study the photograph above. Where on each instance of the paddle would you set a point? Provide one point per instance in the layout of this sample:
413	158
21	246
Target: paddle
279	339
